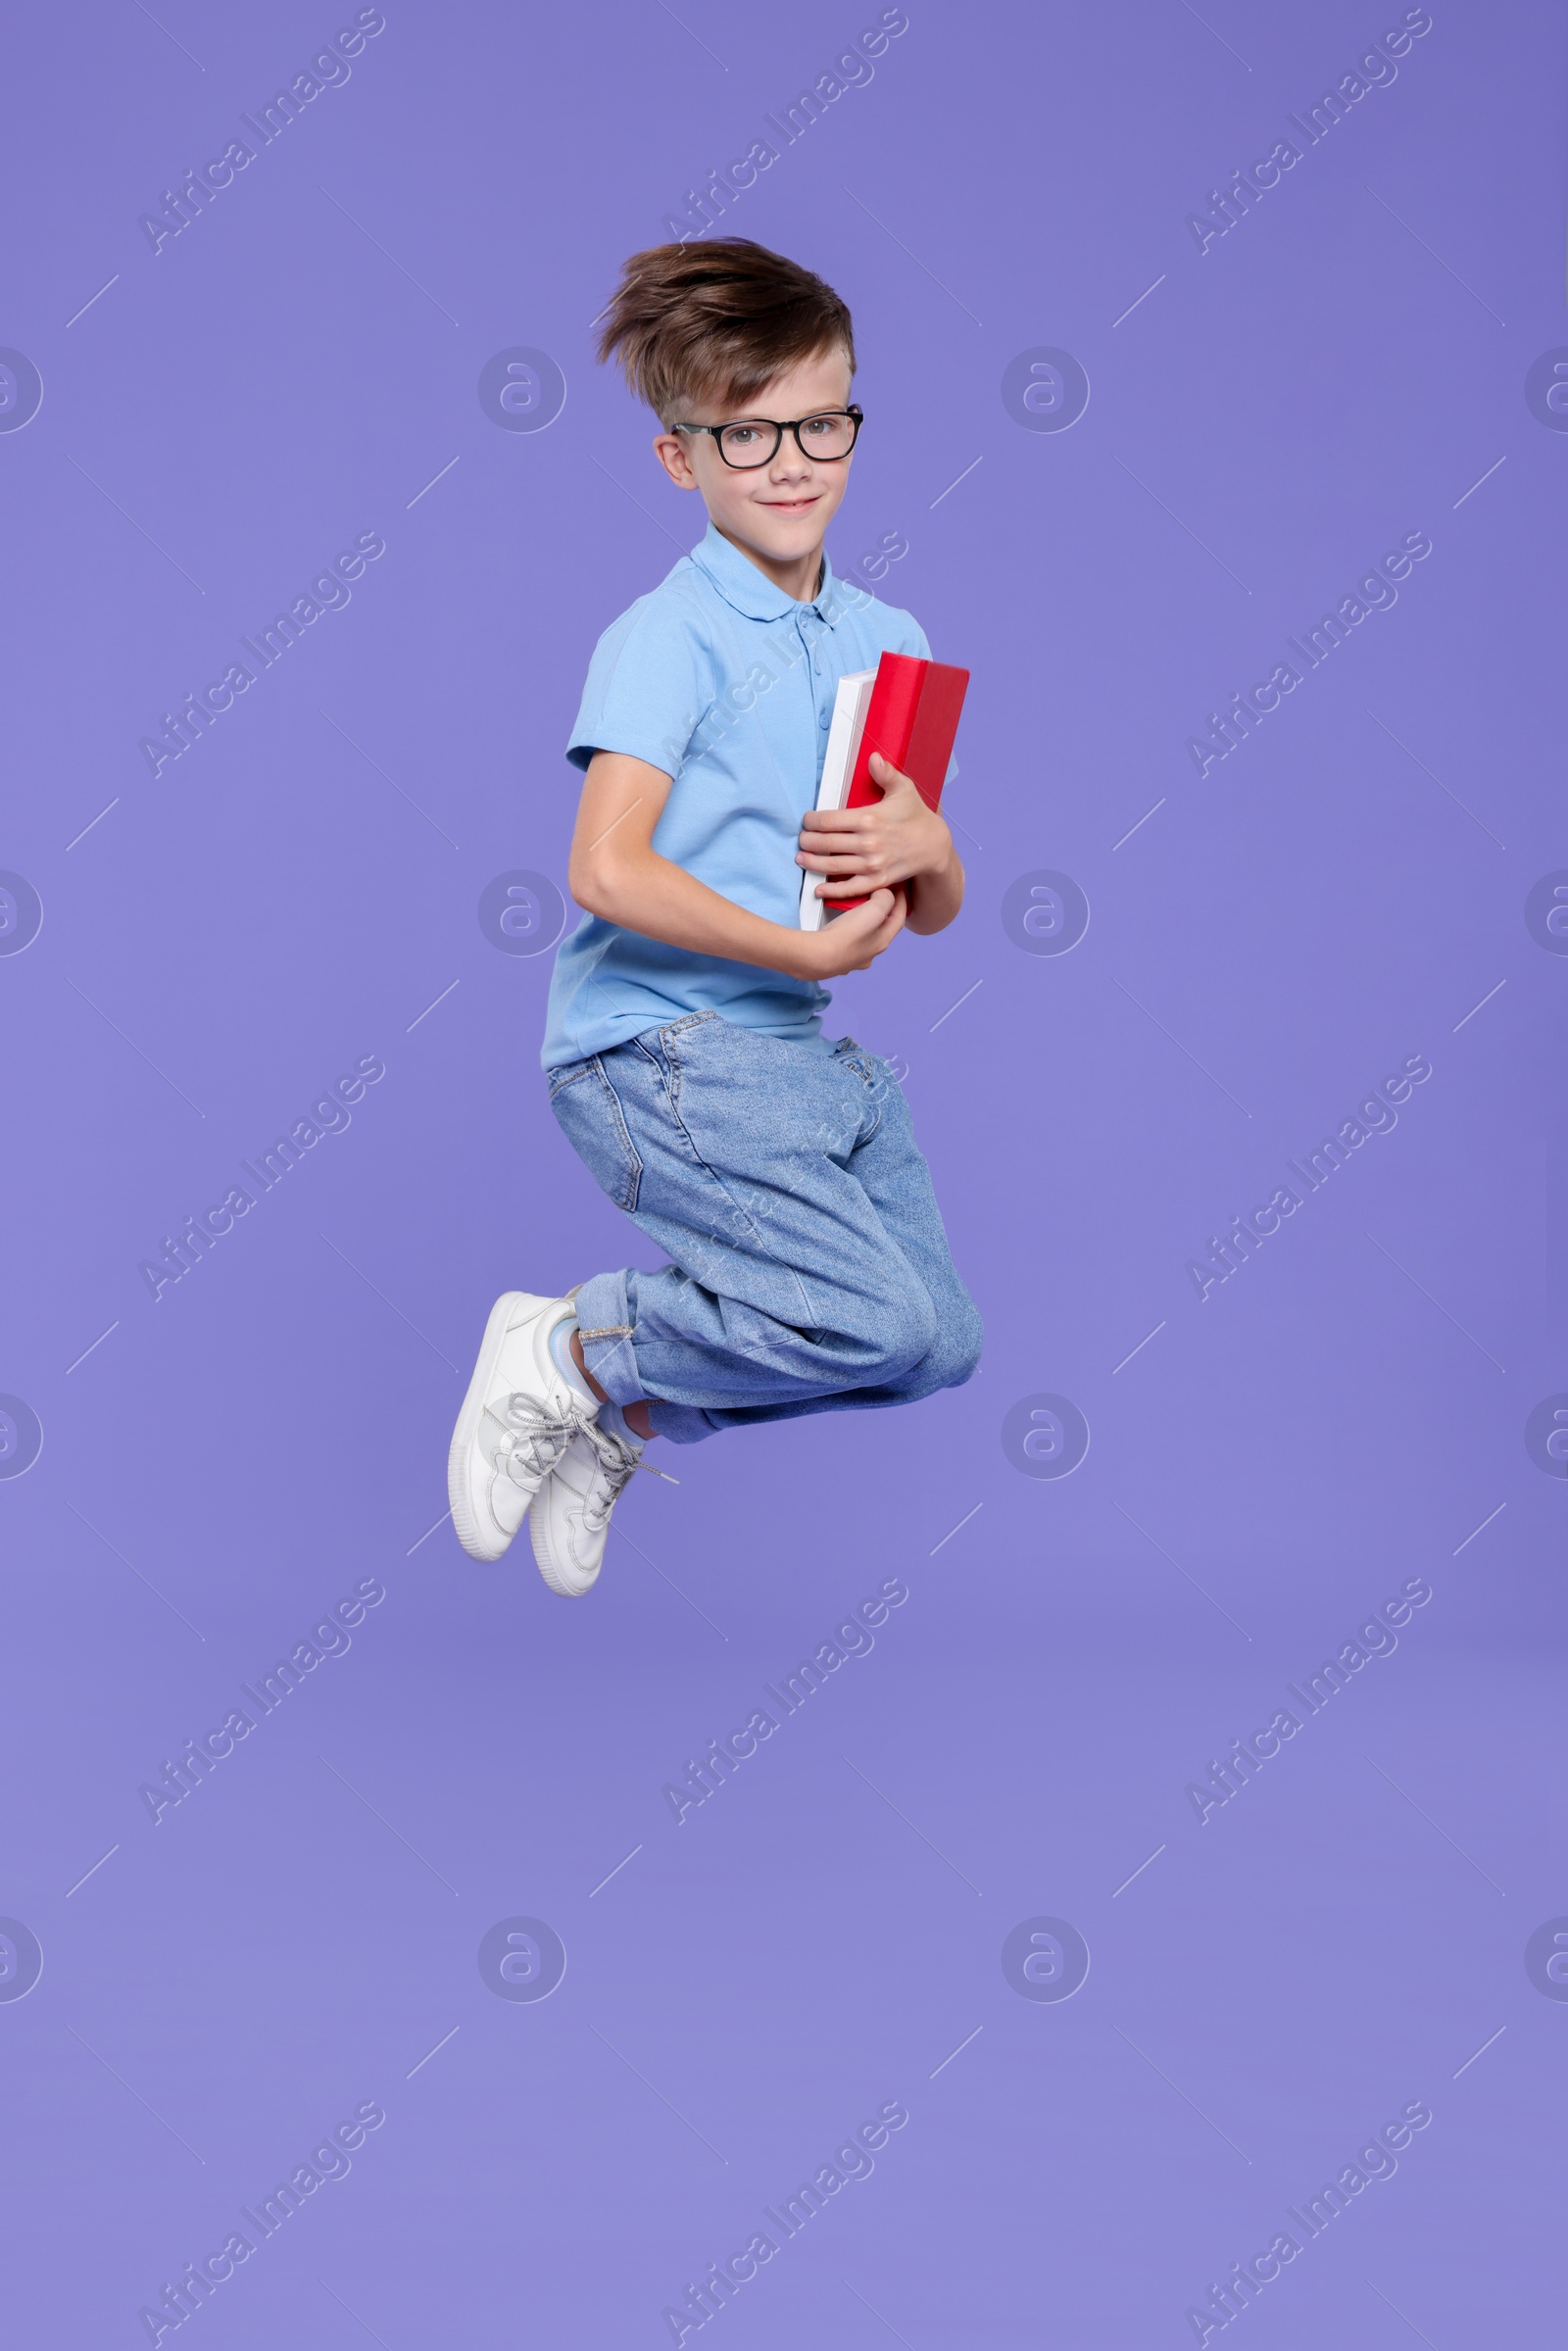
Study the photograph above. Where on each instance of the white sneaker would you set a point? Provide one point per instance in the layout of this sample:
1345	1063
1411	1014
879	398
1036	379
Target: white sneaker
568	1517
518	1419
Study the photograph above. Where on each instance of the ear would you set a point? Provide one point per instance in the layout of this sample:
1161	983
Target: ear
673	455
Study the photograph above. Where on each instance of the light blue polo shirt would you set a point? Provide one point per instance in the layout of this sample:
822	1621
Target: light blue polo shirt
727	684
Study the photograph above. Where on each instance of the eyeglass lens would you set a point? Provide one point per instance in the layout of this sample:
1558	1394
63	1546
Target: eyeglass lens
753	442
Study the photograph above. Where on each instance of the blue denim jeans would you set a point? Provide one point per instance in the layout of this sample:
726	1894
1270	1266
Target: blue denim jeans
811	1271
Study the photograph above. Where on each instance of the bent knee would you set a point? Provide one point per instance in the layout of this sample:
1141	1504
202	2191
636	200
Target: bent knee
963	1347
953	1355
902	1334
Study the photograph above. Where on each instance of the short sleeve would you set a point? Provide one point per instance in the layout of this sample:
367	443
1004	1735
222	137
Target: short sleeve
650	686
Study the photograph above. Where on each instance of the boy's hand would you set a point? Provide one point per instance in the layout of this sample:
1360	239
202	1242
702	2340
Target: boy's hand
850	942
861	850
618	874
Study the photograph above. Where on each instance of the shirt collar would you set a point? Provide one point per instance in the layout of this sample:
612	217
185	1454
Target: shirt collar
751	592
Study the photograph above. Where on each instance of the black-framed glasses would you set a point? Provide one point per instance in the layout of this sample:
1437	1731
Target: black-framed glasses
756	440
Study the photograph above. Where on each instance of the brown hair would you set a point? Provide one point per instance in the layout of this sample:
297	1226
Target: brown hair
718	319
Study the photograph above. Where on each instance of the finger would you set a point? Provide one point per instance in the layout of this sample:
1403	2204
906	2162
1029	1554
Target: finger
866	919
889	776
864	826
888	906
852	878
885	937
848	876
848	847
862	859
833	820
838	845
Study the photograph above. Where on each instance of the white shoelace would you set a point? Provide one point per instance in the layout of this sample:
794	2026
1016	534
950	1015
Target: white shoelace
537	1438
617	1461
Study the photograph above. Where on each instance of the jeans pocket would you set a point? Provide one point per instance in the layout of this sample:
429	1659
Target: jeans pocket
592	1119
854	1057
667	1046
874	1079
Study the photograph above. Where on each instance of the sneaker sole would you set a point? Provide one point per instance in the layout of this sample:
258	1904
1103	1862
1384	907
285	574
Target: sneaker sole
478	1545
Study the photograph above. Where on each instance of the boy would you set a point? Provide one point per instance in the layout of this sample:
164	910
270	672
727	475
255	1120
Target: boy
684	1051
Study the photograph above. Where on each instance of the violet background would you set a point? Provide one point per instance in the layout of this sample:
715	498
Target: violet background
1341	1416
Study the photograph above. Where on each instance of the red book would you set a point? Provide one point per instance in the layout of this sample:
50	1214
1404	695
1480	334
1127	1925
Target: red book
907	710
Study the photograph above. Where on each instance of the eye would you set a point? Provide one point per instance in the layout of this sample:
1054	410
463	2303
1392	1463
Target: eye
830	435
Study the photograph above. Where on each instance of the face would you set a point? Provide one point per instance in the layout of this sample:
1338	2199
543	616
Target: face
777	513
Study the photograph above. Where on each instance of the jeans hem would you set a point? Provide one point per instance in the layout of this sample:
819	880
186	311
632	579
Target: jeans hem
605	1333
682	1424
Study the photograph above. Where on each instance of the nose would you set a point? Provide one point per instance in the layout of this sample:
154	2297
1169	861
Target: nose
790	460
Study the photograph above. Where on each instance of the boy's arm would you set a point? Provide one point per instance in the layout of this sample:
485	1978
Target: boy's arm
895	838
617	873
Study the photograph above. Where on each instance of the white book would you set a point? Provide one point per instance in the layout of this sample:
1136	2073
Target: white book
850	705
